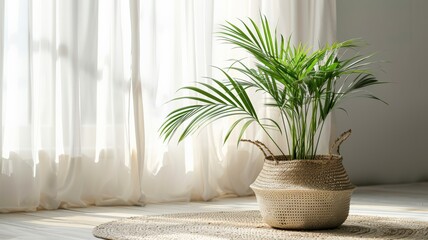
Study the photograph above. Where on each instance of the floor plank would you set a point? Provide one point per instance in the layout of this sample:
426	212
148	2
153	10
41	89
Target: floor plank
408	201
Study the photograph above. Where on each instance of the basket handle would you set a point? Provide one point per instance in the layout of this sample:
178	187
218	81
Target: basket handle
339	141
262	148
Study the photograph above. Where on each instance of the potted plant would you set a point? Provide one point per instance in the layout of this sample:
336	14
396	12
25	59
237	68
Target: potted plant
297	189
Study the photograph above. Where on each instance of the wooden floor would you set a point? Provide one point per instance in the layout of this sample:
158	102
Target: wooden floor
406	201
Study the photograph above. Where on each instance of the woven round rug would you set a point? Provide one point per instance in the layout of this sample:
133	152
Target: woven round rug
249	225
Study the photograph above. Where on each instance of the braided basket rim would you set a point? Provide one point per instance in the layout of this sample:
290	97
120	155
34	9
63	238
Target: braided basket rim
351	188
318	158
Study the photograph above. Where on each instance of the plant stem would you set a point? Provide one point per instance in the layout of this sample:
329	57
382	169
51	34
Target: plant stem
285	129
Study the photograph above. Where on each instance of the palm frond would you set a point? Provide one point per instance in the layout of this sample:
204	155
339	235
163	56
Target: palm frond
304	85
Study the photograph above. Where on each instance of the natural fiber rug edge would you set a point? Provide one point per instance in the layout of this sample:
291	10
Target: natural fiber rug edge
249	225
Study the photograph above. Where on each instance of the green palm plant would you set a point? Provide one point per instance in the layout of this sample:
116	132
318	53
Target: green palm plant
303	85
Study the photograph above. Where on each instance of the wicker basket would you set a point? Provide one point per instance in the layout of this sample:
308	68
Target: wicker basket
303	194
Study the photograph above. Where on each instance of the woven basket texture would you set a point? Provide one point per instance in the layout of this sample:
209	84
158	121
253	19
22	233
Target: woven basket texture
303	194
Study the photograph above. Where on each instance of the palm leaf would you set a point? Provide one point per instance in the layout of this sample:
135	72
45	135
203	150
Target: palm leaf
302	84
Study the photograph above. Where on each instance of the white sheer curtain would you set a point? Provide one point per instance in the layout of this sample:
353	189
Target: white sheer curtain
67	136
70	108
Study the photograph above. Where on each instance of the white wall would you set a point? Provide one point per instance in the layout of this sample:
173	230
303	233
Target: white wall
389	143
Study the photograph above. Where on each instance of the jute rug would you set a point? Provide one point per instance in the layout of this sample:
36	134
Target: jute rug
248	225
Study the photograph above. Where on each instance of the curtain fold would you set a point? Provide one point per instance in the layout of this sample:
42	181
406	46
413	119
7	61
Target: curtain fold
83	92
137	103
